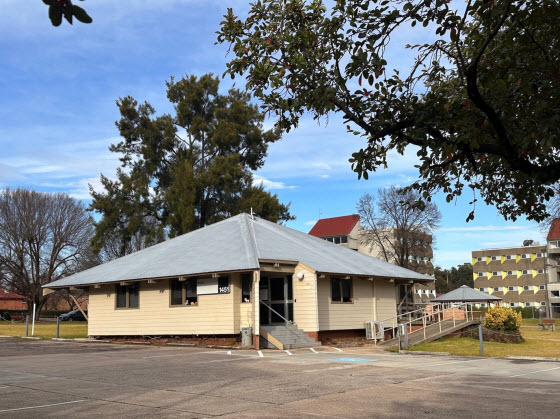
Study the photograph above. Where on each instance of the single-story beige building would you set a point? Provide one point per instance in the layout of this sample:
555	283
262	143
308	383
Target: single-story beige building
243	272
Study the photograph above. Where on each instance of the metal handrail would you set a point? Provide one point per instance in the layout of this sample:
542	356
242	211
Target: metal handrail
407	314
274	311
437	314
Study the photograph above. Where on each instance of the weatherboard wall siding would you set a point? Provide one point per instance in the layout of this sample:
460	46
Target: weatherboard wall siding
344	316
385	299
305	296
214	314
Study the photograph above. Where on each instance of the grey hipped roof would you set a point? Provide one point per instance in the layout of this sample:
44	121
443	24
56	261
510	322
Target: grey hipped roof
236	244
465	294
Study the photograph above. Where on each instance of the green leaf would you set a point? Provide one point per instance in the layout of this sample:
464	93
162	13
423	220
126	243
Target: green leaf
81	14
453	34
68	14
55	14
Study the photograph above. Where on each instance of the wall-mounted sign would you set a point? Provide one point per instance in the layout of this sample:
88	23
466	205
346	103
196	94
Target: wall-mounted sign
206	286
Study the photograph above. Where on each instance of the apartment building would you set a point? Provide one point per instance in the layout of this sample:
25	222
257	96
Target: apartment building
518	275
553	268
347	231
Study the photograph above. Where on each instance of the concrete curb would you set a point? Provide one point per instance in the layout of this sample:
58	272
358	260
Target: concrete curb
86	340
425	353
533	358
135	343
235	348
31	337
190	345
63	339
6	337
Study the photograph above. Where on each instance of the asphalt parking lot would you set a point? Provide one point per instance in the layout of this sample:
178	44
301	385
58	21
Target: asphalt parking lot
69	379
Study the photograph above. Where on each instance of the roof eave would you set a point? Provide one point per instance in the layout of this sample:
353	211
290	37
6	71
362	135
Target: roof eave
159	278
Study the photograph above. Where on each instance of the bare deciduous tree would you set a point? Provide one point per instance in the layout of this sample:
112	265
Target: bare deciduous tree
43	237
395	226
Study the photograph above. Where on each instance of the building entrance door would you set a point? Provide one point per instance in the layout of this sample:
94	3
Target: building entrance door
277	301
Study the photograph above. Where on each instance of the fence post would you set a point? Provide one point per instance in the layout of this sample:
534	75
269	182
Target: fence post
26	325
453	314
480	339
424	326
406	336
33	320
57	327
399	337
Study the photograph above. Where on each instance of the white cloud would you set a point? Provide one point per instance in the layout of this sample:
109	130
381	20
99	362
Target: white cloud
80	189
322	165
41	169
325	176
270	184
486	228
310	223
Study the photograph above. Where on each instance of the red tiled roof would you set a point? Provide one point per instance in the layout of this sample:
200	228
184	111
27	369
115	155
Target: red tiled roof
5	295
336	226
554	232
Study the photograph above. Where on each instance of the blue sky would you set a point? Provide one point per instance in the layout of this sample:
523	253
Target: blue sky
57	112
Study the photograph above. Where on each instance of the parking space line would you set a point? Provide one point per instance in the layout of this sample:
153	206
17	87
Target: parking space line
159	356
288	352
229	352
38	407
339	350
260	354
313	350
534	372
445	363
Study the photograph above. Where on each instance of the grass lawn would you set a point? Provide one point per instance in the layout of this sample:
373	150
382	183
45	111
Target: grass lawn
530	322
538	342
45	330
469	347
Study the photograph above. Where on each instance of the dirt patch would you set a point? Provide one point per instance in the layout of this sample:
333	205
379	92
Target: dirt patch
205	341
344	338
494	335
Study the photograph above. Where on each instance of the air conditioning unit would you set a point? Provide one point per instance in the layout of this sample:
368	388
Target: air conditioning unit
374	330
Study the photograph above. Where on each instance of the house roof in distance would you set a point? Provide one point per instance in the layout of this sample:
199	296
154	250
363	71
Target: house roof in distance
465	294
6	295
236	244
554	231
335	226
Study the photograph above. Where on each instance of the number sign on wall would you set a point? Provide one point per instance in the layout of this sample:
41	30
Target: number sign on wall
213	286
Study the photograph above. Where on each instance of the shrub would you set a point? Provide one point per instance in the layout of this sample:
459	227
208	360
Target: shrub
503	319
52	313
7	314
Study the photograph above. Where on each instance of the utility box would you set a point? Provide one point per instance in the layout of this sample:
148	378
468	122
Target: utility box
247	336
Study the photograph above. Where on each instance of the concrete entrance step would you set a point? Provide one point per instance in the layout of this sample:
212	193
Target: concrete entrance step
286	337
